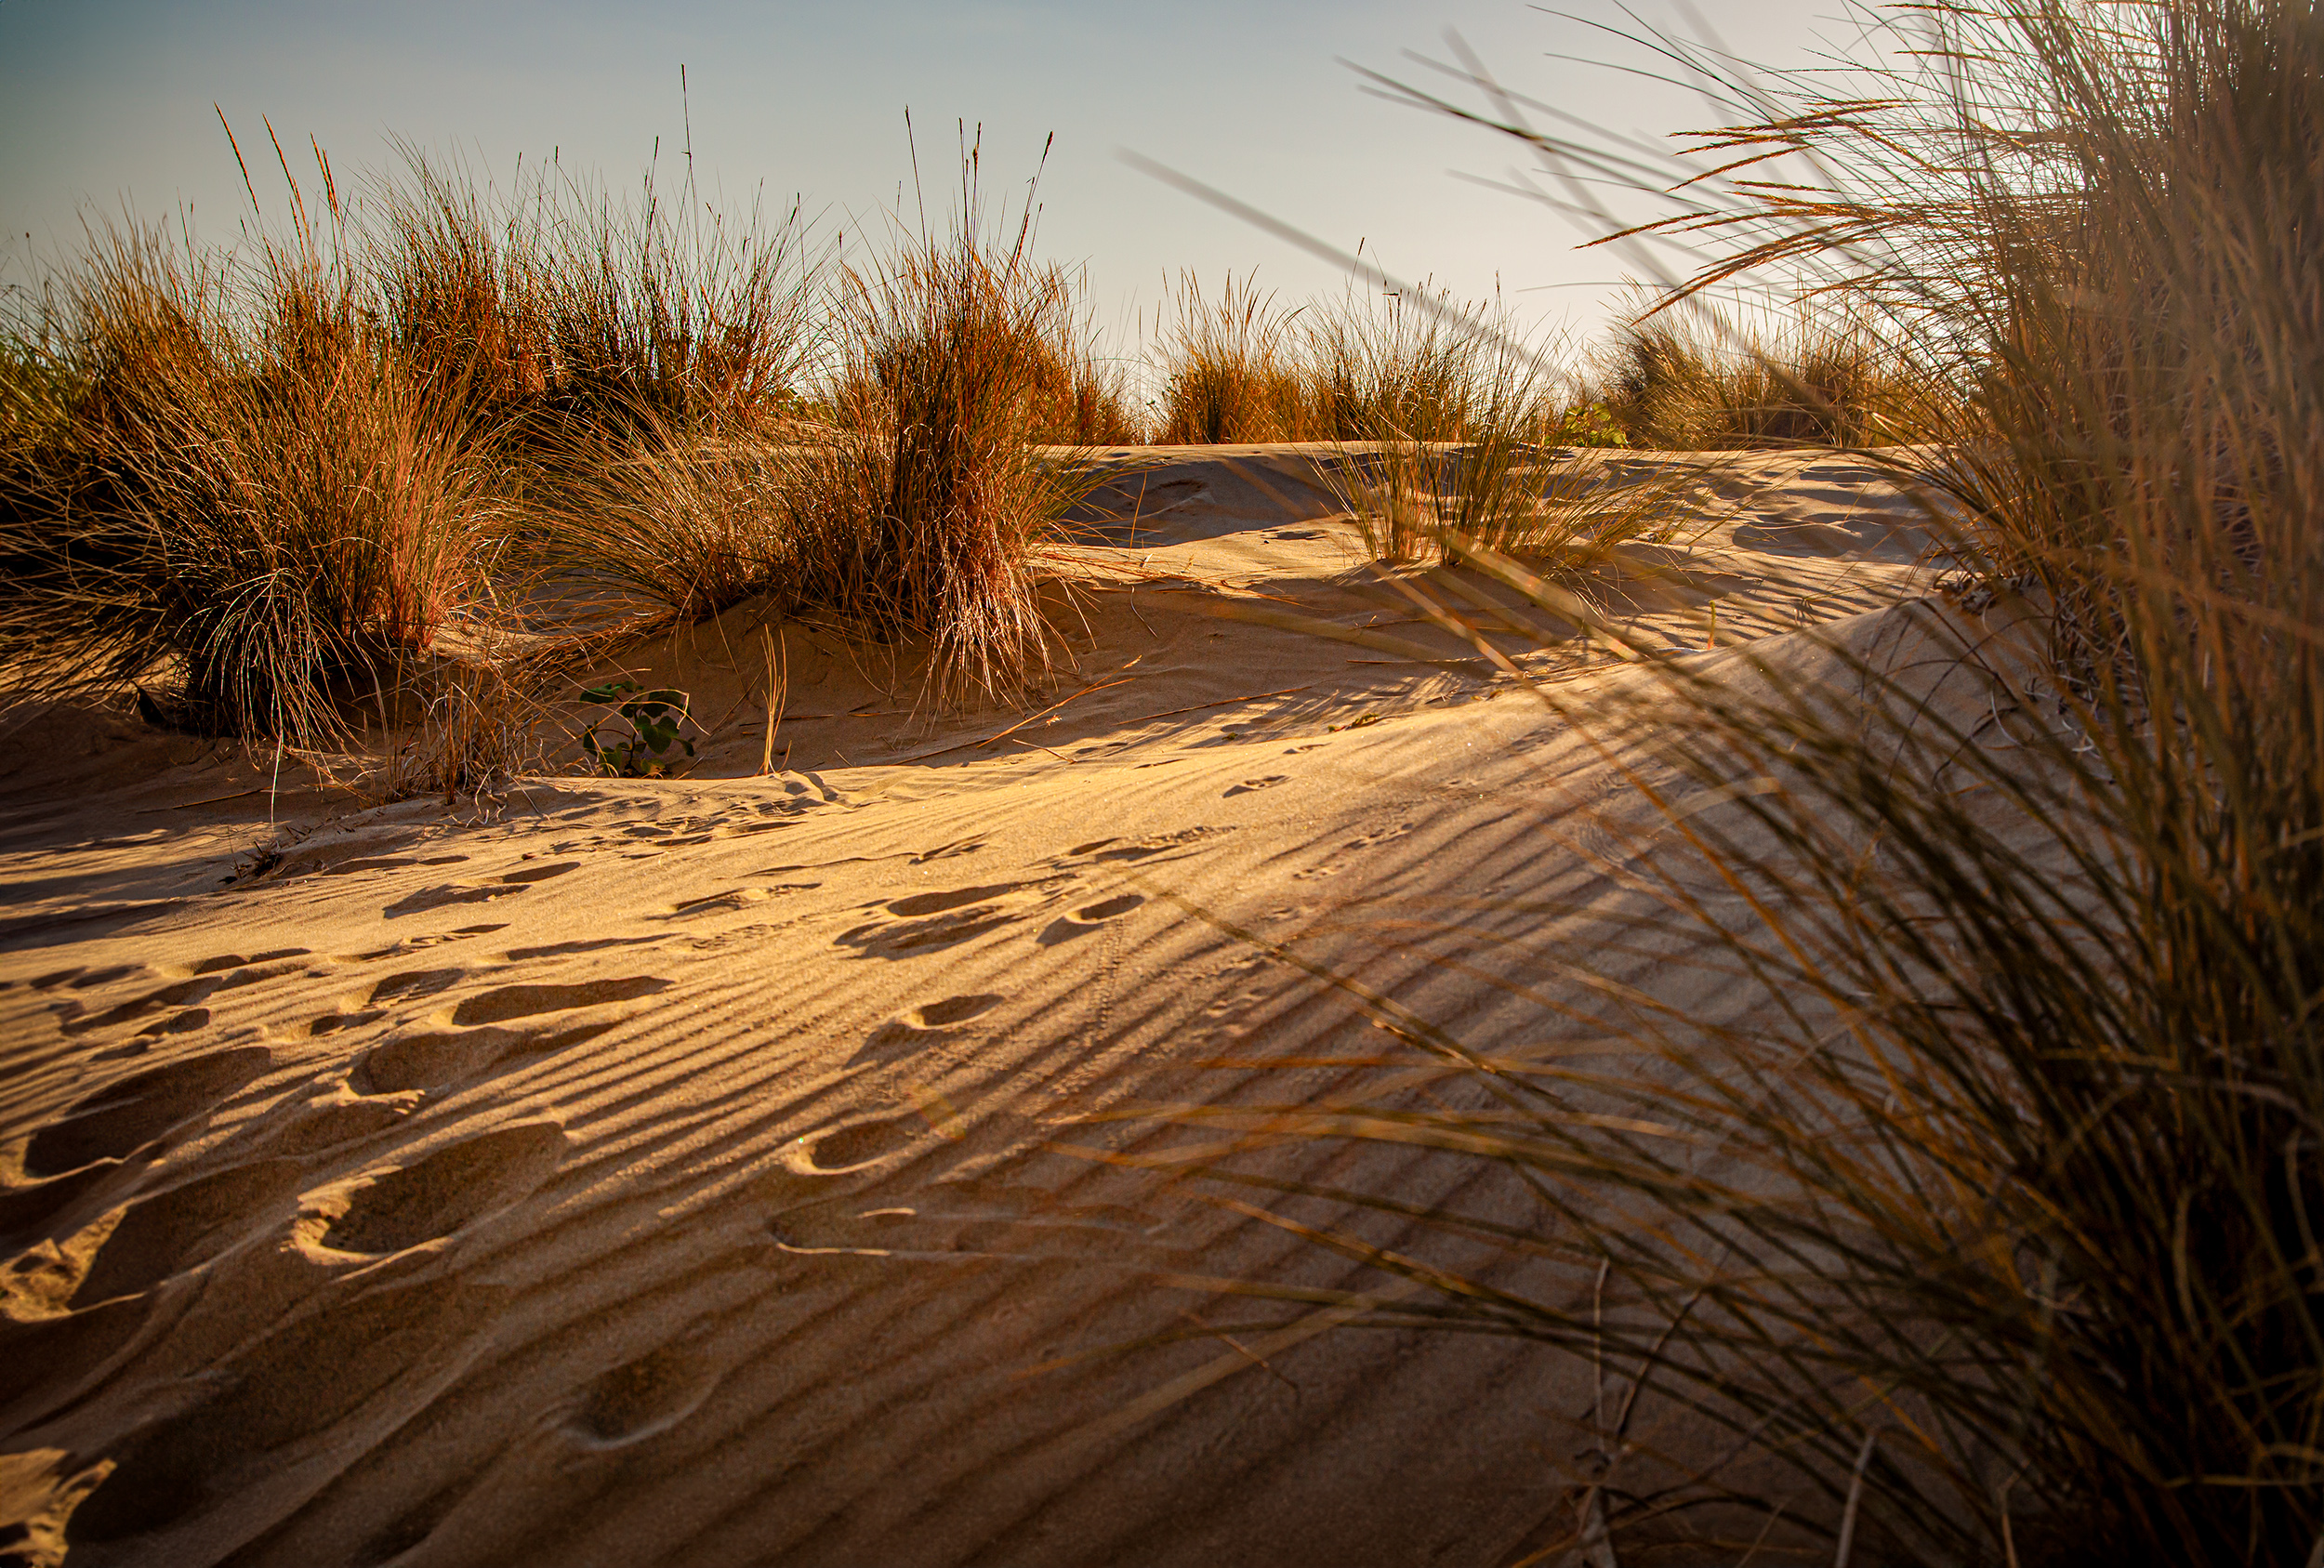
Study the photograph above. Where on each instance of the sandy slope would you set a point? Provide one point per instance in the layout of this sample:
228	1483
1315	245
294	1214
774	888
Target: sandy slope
667	1171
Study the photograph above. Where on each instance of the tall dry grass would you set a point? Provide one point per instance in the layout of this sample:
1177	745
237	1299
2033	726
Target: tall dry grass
1232	369
921	511
1694	381
960	387
567	307
240	493
1983	1200
256	482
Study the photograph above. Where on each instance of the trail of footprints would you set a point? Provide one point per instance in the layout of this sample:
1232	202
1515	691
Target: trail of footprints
101	1226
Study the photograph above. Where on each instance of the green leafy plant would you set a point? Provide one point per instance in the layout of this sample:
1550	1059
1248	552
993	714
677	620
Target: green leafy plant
1588	425
656	719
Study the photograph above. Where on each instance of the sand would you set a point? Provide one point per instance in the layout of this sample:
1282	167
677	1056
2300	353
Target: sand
683	1171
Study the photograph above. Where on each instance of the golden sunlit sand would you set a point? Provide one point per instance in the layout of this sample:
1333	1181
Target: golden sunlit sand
685	1170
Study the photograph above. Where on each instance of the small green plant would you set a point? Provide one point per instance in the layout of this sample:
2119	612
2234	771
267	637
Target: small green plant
656	719
1588	424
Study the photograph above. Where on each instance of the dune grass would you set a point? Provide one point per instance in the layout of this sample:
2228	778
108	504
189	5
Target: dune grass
1231	369
256	483
1985	1205
1694	381
921	509
234	486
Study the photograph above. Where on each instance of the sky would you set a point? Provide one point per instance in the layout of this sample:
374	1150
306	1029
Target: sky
106	107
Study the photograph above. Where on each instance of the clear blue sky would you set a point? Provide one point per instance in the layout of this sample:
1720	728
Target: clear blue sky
106	103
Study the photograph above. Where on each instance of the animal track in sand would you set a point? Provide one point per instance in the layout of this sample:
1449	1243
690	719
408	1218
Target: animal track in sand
1088	918
437	1061
162	1235
640	1398
304	1377
1250	786
407	1205
115	1122
525	1001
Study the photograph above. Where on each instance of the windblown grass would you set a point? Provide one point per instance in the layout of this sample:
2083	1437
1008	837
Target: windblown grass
1986	1203
1693	383
565	306
1232	370
922	508
244	496
256	483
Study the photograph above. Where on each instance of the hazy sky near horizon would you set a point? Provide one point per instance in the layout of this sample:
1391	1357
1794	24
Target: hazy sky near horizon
105	106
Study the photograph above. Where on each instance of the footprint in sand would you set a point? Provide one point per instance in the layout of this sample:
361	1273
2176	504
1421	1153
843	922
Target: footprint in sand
860	1144
1082	921
182	994
919	1026
411	985
115	1122
407	1205
441	1060
643	1398
162	1235
439	898
415	944
736	899
525	875
236	961
313	1128
50	1357
527	1001
82	979
1250	786
385	1347
384	862
591	944
1134	850
935	920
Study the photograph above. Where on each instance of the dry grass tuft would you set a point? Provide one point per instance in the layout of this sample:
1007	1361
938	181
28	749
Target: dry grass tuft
244	492
920	511
1697	383
1231	370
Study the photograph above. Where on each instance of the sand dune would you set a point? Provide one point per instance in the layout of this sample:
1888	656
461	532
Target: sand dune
676	1171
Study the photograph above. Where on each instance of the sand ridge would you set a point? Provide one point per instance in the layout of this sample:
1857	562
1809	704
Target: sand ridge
671	1171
